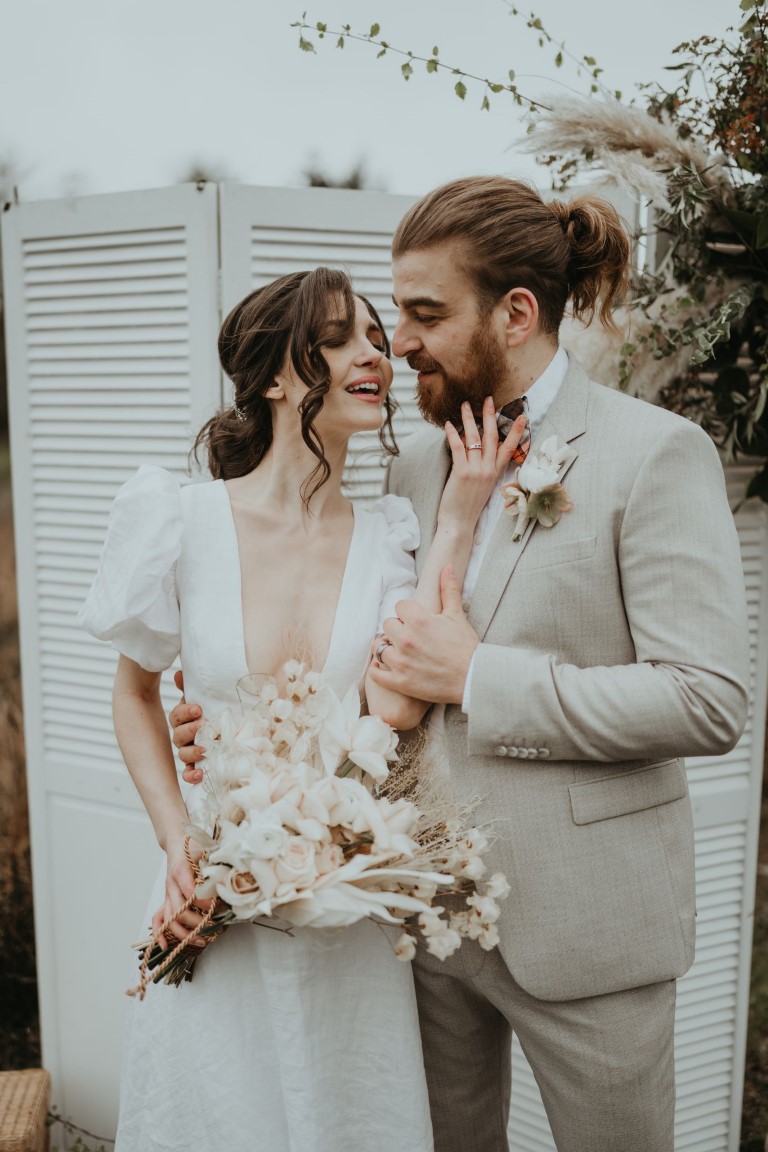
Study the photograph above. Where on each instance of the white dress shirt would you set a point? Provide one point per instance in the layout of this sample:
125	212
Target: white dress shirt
539	396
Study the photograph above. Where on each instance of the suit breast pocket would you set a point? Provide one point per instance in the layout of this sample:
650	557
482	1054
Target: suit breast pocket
543	552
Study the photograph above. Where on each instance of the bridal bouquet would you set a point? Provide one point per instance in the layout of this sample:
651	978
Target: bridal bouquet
310	819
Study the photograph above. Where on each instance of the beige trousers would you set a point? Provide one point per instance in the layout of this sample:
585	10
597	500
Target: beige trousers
604	1065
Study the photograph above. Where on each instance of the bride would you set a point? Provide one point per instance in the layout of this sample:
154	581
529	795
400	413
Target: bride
308	1043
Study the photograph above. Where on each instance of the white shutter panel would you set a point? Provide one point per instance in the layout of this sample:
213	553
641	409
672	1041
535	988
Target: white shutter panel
269	232
111	331
713	998
111	320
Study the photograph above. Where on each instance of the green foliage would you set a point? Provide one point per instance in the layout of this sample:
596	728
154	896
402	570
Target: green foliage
433	62
711	291
717	230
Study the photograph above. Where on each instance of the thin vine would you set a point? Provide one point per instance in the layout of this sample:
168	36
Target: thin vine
434	64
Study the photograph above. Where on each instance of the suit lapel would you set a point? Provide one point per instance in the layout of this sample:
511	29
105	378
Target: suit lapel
566	419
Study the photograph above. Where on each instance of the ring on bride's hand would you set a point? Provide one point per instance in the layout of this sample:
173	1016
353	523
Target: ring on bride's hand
384	644
471	447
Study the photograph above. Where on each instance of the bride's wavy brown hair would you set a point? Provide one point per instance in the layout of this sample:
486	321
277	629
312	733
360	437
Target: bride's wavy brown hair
287	319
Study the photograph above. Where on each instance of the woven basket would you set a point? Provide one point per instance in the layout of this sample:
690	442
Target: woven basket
24	1100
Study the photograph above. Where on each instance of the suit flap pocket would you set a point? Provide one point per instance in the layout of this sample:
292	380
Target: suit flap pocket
628	792
551	551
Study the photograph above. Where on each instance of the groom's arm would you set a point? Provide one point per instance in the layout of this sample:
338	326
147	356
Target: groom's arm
683	594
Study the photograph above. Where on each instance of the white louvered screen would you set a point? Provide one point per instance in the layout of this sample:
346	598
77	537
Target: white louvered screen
713	997
111	330
268	232
111	317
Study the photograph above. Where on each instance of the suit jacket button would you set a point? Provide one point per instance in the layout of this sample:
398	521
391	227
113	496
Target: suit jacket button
513	751
543	753
532	753
501	750
522	753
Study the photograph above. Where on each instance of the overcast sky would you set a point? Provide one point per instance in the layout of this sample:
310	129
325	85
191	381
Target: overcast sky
108	95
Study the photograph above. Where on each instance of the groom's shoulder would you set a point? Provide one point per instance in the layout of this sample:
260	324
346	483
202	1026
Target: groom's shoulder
629	417
423	439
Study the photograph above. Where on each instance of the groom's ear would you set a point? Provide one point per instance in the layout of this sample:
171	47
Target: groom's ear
521	316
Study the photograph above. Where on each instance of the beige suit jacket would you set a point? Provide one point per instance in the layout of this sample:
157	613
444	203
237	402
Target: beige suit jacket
612	645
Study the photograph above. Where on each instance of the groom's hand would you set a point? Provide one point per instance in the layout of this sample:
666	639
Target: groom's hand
185	719
429	654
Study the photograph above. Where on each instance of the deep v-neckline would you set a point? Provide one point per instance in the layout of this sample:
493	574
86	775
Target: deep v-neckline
237	591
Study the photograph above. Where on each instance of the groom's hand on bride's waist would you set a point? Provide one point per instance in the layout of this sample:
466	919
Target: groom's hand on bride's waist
185	719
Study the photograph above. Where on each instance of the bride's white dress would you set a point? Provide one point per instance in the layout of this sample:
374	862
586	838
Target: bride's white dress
307	1043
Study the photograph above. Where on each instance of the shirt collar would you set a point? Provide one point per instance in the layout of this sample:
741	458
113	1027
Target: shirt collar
542	392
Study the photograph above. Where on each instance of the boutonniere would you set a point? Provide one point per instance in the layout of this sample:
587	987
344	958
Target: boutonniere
536	493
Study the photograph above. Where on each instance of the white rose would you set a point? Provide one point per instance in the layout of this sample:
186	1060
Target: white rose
241	892
535	474
345	813
296	865
328	859
262	839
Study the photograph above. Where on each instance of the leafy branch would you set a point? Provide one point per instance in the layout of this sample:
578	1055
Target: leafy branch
583	64
433	63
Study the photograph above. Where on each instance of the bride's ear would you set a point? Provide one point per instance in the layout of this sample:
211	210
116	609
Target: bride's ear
276	391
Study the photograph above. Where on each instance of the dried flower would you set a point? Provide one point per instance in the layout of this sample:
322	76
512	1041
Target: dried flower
536	493
304	822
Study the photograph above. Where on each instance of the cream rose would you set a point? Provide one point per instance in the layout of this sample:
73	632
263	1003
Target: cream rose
297	865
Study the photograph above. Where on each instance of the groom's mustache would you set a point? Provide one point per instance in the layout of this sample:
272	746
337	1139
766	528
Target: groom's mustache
422	364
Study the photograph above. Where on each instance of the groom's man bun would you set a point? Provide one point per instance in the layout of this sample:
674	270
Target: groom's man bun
575	250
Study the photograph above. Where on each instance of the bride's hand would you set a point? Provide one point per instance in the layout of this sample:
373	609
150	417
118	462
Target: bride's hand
478	463
179	886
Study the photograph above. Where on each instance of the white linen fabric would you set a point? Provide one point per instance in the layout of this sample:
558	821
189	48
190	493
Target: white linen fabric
307	1043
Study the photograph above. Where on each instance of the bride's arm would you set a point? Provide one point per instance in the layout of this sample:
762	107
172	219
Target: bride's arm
142	733
474	475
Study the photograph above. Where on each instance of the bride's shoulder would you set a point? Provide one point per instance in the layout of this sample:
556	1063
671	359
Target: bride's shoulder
132	601
394	520
159	499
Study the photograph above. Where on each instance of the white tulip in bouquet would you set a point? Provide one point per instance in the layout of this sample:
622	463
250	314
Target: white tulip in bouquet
310	819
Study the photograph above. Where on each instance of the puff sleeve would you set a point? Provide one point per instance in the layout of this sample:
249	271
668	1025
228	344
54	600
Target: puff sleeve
400	539
132	601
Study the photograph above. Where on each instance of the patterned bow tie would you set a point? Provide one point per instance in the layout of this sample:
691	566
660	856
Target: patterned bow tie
506	417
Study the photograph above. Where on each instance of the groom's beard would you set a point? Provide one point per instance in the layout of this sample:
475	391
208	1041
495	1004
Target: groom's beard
482	372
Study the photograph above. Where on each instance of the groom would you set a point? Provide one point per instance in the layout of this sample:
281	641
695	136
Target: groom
572	671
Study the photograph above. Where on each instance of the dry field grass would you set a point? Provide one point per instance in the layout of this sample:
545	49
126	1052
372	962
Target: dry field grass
19	1034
